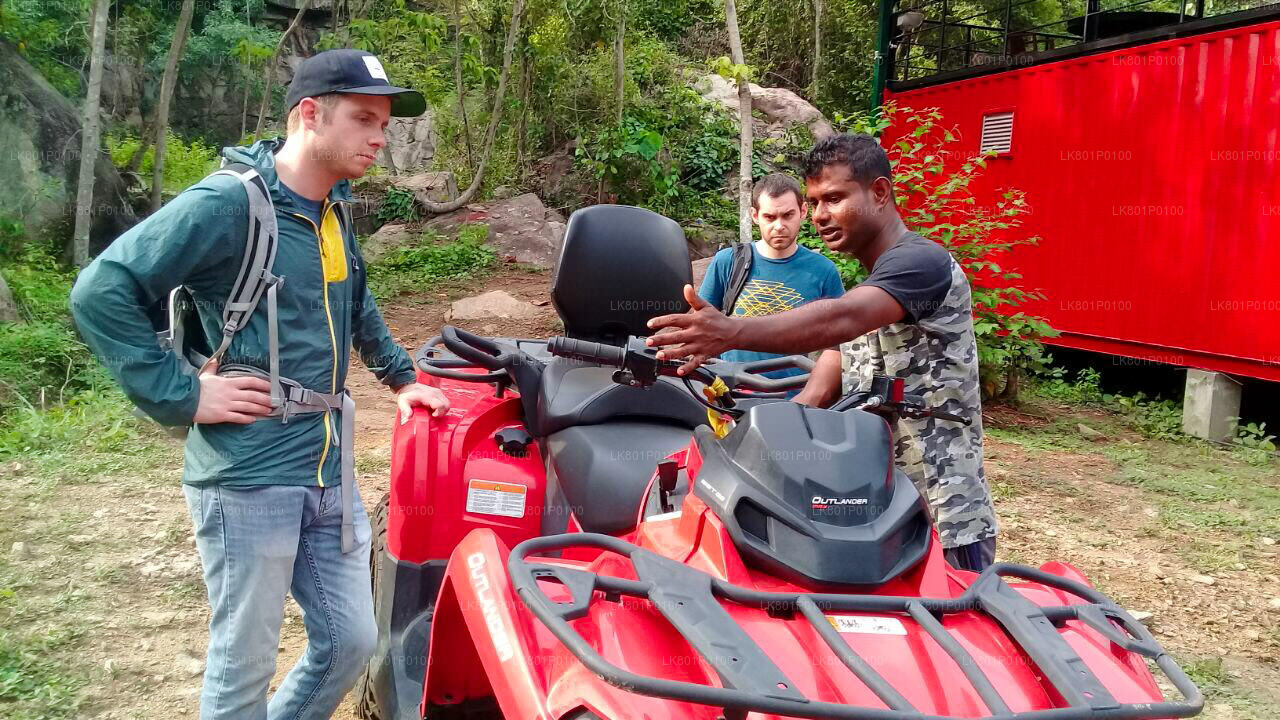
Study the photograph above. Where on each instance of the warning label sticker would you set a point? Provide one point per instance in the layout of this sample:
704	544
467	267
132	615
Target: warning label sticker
867	624
496	498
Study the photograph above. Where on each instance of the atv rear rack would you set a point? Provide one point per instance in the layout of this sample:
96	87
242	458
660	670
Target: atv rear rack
690	599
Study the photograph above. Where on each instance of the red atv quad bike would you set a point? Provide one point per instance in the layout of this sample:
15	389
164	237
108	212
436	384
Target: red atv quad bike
575	542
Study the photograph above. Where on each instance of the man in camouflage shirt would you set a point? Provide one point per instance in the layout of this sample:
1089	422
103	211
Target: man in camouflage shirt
911	318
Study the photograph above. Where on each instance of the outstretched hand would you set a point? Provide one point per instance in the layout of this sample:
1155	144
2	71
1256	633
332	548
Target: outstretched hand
699	335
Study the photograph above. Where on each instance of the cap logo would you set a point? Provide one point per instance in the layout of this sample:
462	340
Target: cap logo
375	67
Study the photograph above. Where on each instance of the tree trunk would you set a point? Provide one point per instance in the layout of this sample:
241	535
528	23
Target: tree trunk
744	117
817	49
144	142
269	75
517	9
619	62
458	82
248	81
166	94
91	127
244	108
522	122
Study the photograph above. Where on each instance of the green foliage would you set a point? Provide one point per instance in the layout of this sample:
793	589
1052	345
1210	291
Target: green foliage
731	71
414	269
777	39
41	356
32	686
709	156
50	34
1154	417
185	163
96	420
1255	443
628	158
669	19
1086	390
411	43
398	205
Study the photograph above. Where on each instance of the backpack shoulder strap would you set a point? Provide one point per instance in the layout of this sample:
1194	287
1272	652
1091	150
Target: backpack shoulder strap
739	272
255	277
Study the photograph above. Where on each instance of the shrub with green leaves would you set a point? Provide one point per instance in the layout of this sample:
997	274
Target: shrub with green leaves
397	206
41	358
185	163
415	268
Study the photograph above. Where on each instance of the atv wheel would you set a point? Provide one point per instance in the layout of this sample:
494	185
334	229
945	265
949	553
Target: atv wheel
367	706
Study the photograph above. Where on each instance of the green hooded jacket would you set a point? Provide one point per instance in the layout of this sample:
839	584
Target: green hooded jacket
325	308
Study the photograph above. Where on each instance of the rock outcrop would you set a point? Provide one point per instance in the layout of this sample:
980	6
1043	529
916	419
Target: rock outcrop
40	165
781	107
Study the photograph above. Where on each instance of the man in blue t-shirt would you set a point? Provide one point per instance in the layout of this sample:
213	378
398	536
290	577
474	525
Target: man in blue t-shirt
784	275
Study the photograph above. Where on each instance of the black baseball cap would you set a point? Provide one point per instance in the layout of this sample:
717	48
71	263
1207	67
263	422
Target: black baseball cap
350	71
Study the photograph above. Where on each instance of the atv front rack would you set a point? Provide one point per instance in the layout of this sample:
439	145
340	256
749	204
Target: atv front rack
691	600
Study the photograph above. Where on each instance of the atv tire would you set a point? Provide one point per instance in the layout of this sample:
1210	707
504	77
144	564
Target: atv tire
367	705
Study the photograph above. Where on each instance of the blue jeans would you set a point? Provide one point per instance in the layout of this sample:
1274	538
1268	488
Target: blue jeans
258	544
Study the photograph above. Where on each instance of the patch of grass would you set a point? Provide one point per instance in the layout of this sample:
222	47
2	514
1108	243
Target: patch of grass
1002	490
38	680
33	686
93	432
1211	557
416	268
1214	680
41	359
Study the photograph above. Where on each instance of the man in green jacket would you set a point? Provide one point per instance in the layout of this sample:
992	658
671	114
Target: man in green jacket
265	490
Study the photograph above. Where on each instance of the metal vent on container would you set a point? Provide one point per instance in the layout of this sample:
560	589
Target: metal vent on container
997	132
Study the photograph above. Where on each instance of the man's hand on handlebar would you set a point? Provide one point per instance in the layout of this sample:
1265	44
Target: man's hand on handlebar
700	334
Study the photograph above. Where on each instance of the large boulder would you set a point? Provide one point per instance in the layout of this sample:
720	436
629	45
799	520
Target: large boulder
492	305
437	186
780	106
40	166
411	144
521	229
123	89
388	237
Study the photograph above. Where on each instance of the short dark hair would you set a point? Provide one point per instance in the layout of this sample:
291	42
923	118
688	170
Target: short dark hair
863	156
776	185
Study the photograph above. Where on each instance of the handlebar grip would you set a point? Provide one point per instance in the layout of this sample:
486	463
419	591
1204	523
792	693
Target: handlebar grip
477	350
587	351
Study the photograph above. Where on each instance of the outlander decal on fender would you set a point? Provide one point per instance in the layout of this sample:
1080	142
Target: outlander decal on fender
489	607
822	503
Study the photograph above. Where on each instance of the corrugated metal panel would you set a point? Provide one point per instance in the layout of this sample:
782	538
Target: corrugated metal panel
1152	173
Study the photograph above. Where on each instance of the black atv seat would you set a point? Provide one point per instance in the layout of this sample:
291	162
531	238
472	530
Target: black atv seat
603	470
573	394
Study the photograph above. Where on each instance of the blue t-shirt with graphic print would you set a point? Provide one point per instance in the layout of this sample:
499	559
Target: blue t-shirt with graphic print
774	286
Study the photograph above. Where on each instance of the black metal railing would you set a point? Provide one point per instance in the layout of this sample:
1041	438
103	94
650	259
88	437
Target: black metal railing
933	38
751	682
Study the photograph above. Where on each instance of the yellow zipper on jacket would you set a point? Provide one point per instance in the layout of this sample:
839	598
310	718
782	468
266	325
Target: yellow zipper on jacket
333	341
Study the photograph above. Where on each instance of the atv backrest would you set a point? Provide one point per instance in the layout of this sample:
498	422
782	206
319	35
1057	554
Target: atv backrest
619	266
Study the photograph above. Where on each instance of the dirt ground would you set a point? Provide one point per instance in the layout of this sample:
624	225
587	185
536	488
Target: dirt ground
107	547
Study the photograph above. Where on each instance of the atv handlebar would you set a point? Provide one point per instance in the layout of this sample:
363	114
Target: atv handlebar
886	398
586	351
640	366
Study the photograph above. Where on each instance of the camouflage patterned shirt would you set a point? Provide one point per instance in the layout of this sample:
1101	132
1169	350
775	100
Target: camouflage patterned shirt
935	351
